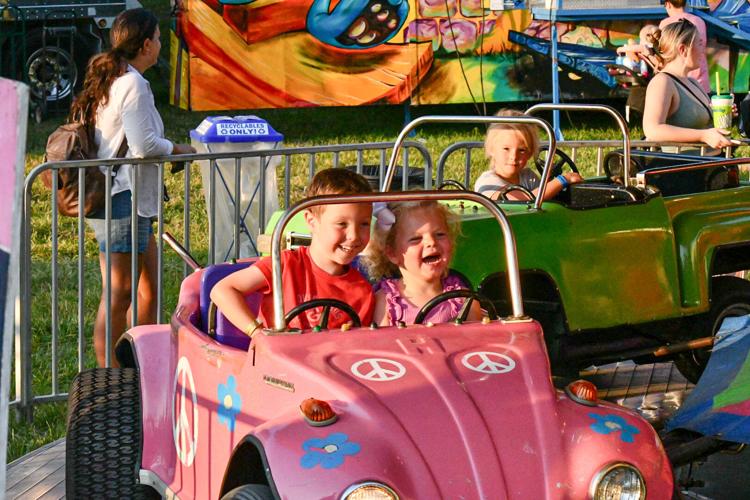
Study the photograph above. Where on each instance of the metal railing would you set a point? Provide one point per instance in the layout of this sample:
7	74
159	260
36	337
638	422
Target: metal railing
293	161
470	169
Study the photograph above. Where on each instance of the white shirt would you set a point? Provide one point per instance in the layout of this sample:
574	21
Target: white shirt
130	112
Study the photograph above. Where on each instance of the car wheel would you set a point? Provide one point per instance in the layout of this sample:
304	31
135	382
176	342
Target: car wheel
249	492
730	296
103	442
53	68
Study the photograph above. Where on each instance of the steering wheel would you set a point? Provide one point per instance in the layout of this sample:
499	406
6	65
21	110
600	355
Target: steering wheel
502	193
470	295
326	304
557	166
451	182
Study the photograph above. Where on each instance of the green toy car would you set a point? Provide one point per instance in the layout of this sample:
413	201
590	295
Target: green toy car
621	271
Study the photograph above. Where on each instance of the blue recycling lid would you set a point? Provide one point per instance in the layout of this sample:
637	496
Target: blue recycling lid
235	129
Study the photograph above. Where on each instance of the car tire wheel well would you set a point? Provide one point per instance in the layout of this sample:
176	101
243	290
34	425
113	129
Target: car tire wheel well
246	467
730	296
730	259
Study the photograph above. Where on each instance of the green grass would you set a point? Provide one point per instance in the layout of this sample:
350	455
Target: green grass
301	127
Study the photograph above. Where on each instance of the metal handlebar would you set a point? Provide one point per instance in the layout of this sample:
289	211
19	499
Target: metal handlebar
474	119
595	107
514	278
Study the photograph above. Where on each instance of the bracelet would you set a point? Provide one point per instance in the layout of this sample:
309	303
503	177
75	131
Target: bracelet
562	180
252	327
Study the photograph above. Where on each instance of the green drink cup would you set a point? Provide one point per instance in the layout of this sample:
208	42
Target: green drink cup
721	105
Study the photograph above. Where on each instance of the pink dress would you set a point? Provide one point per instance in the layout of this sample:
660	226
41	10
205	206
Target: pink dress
399	308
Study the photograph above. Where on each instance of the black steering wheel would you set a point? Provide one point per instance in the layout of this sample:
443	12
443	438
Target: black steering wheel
326	304
451	182
562	159
470	295
502	193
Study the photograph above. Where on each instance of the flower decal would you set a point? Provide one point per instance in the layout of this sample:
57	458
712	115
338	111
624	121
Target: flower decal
329	452
607	424
230	402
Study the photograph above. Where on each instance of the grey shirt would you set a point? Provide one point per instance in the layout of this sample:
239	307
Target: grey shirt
489	181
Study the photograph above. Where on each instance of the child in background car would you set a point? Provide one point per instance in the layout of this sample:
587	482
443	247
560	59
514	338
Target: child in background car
415	240
322	270
509	146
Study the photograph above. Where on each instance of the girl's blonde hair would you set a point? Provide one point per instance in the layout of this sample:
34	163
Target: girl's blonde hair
666	42
376	261
527	131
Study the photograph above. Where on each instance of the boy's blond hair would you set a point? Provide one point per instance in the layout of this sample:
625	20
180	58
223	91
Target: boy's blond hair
336	181
376	261
527	131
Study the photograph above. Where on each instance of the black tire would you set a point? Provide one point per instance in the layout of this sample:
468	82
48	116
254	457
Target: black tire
249	492
730	296
104	439
54	70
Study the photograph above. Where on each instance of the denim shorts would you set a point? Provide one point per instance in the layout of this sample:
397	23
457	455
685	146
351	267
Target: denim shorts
120	234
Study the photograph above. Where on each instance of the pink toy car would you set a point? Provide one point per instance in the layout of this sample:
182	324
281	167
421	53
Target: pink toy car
457	410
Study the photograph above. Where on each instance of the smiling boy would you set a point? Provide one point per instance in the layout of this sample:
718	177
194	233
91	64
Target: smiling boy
321	271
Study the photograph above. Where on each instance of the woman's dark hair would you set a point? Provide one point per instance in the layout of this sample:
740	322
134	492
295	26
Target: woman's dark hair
128	34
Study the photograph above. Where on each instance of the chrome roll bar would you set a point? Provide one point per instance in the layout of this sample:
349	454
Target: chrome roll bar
474	119
511	257
600	108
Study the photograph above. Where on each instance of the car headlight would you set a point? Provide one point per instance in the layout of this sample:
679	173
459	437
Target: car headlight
369	491
618	481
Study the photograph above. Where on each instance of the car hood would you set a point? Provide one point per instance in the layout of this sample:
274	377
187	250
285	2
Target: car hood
469	409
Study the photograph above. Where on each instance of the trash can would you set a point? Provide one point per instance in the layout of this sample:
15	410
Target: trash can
238	134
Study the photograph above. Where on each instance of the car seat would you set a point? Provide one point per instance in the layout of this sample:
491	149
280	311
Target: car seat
213	321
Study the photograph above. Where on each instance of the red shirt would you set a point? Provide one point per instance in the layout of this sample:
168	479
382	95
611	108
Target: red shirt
303	280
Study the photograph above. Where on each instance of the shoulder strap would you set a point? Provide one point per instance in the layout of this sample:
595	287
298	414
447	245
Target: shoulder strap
695	96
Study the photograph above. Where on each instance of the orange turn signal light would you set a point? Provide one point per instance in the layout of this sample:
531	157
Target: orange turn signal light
583	392
318	413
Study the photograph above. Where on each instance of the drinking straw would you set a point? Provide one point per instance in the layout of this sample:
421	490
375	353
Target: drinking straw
718	87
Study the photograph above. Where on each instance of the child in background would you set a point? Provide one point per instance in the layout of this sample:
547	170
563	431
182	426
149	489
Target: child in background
509	146
322	270
416	240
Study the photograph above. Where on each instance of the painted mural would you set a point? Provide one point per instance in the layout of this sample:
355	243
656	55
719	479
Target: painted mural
239	54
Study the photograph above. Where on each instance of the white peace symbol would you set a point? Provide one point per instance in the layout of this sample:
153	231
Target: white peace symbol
500	364
185	441
380	369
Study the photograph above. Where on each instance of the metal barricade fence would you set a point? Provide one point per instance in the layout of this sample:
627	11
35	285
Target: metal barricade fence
471	164
43	359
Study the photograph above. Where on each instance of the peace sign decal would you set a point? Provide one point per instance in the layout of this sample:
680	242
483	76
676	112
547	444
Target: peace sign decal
378	369
185	437
488	362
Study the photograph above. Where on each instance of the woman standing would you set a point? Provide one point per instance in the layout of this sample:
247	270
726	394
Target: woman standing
117	101
677	109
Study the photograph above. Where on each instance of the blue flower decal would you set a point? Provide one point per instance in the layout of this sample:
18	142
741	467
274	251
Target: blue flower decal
329	453
230	403
607	424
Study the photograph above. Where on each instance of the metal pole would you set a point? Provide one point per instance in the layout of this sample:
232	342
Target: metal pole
108	263
81	268
514	277
475	119
555	66
595	108
160	247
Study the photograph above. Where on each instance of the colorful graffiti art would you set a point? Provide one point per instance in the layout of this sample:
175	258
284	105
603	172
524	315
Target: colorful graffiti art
239	54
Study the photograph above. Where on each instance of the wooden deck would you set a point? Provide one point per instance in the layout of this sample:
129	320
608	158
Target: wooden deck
654	391
40	474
